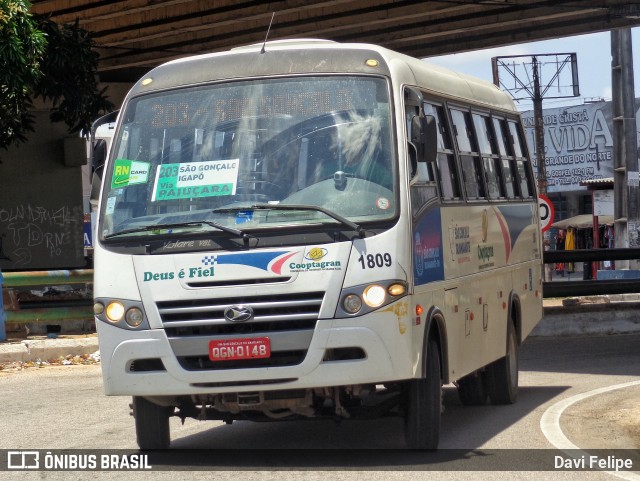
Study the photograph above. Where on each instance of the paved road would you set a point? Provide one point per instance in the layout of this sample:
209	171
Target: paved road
584	391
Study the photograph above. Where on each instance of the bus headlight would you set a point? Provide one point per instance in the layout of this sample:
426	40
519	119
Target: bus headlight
98	308
134	317
352	303
374	295
121	313
397	289
359	300
115	311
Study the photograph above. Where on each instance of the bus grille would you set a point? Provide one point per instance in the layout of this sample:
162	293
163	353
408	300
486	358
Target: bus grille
288	320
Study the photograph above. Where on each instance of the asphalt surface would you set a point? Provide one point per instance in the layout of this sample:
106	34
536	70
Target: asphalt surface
575	392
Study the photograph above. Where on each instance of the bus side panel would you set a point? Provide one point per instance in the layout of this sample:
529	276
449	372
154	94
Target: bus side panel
530	297
520	226
469	259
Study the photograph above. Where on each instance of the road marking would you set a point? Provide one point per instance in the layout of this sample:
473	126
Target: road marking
550	425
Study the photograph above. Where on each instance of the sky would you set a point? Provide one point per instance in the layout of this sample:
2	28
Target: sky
594	64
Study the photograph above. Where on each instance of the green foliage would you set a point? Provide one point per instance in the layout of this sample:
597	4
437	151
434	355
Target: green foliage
39	58
69	76
22	45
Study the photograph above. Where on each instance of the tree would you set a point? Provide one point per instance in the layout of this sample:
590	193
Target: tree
57	63
22	46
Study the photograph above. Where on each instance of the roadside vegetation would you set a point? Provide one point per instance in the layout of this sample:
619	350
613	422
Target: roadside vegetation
43	60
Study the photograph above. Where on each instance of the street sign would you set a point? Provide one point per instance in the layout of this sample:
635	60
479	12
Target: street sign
547	213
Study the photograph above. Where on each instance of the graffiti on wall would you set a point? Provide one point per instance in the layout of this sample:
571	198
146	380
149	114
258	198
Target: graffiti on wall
33	236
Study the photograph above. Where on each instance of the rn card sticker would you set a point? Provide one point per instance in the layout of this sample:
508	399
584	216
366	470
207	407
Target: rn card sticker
129	172
196	179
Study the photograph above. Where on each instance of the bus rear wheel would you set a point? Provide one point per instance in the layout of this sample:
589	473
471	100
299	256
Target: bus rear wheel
152	424
424	404
502	375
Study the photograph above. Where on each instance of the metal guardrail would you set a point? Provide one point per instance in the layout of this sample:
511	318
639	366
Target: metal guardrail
586	255
590	287
44	278
53	311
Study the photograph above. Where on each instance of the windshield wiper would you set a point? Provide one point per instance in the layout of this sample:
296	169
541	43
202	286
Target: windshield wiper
146	228
314	208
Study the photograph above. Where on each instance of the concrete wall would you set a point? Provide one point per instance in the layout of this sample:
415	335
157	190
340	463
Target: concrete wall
41	204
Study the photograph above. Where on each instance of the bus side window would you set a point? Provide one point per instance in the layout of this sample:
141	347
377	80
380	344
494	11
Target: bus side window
469	155
508	167
490	156
515	138
448	177
526	182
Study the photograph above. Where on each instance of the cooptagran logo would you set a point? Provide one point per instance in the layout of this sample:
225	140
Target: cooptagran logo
315	262
316	254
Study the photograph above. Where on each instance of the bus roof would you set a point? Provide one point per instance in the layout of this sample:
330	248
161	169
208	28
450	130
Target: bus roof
299	56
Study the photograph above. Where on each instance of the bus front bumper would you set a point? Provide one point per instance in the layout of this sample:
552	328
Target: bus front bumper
386	357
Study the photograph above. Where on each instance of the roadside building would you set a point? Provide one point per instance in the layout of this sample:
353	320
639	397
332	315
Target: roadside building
578	151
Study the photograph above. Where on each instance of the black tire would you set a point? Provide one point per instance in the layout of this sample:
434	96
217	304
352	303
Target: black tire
424	404
502	375
472	389
152	424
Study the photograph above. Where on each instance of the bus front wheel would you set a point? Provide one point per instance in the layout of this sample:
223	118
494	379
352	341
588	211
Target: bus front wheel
424	404
502	375
152	424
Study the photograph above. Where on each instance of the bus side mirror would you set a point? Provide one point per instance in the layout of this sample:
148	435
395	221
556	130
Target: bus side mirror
98	158
99	155
424	137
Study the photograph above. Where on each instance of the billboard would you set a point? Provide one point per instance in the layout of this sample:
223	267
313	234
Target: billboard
578	143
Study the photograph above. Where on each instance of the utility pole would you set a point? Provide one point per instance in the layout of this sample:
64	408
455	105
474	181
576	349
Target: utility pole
625	154
526	72
539	128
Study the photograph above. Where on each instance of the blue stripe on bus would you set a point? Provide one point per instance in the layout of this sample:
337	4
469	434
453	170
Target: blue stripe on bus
428	263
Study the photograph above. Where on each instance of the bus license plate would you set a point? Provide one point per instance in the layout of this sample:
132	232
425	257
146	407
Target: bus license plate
238	349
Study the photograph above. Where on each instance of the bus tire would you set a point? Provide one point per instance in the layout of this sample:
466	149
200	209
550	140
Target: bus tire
424	404
502	375
472	389
152	424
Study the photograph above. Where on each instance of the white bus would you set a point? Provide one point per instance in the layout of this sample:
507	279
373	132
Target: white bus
308	229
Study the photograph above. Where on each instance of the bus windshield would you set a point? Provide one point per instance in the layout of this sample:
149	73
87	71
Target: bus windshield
220	154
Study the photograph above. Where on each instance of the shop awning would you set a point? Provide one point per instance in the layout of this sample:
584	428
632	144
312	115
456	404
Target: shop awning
584	221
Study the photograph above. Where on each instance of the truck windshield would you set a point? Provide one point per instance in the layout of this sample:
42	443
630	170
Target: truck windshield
210	153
